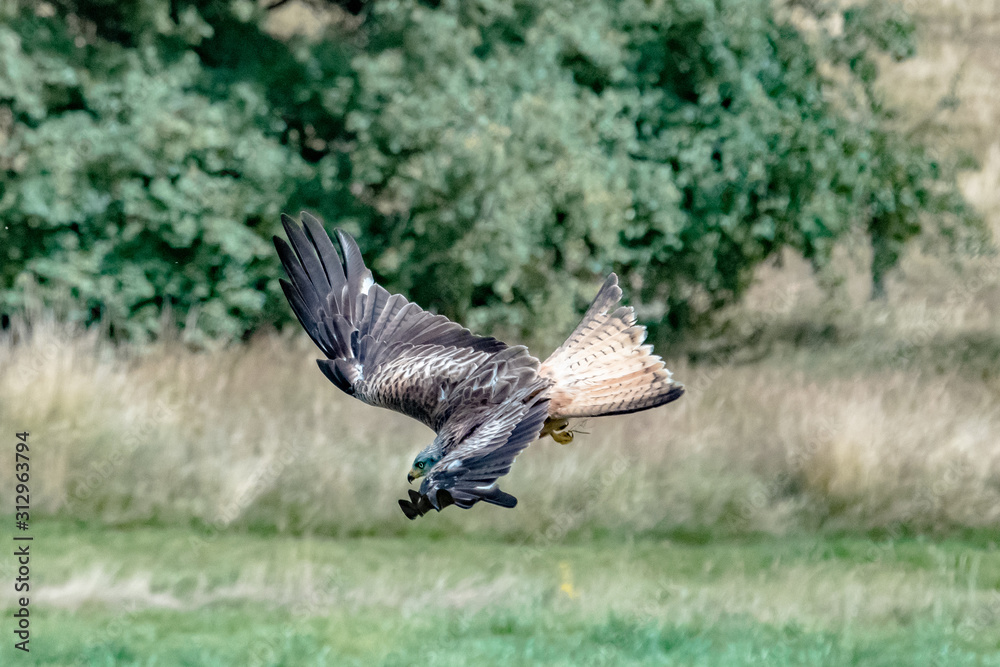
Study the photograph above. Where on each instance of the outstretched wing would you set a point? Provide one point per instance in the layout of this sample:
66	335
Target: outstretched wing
487	438
380	348
469	473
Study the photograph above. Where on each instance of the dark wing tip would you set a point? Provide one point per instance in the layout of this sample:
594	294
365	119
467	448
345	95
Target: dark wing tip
284	250
501	499
409	509
334	372
609	294
419	504
353	259
289	223
674	392
611	289
441	499
309	219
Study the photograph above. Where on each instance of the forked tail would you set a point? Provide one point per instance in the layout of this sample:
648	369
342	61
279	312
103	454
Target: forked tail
603	368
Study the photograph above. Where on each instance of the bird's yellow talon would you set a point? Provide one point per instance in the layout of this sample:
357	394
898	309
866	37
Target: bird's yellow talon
559	430
562	437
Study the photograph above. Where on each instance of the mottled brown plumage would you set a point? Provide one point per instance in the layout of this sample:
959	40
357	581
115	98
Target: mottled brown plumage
486	401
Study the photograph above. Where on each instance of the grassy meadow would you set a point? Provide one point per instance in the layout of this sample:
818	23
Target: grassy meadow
826	493
173	596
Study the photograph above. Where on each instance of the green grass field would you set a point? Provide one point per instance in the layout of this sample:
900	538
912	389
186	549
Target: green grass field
172	596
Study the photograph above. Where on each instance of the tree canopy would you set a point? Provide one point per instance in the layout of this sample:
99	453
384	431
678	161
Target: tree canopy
494	158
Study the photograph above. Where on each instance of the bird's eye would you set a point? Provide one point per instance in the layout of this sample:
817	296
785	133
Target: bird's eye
420	465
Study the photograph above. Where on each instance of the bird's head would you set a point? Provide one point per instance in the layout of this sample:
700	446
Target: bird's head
425	460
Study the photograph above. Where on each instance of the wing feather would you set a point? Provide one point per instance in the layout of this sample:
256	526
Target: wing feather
307	255
417	380
468	473
381	348
327	253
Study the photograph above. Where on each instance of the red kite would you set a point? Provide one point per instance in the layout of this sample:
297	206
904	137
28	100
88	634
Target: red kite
485	400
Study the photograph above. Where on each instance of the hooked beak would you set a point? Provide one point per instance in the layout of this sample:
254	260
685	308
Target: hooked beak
415	473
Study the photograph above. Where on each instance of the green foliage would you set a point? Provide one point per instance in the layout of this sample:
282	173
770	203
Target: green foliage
497	158
679	144
137	184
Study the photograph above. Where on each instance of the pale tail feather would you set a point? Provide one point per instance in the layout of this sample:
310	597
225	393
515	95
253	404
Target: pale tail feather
603	368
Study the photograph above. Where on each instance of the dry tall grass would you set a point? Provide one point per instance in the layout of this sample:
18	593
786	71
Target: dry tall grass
255	437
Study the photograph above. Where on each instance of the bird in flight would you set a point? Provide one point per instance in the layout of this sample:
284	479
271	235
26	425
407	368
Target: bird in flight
485	400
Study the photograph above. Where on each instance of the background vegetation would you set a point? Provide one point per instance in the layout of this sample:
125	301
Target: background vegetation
826	492
496	174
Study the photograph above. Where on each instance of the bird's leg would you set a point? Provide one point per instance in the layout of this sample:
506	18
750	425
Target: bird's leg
558	429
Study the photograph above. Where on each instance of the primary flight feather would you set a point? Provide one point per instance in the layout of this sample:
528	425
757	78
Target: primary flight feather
485	400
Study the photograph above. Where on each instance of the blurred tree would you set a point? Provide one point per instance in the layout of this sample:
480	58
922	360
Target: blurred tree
904	181
147	155
497	157
679	143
